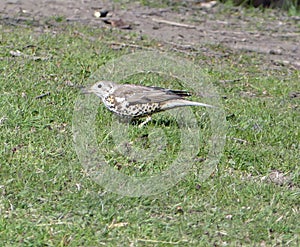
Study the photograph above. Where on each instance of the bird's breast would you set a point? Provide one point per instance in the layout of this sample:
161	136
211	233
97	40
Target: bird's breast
121	107
140	110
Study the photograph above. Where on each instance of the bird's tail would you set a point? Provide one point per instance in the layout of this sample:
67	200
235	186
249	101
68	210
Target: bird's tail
181	93
181	103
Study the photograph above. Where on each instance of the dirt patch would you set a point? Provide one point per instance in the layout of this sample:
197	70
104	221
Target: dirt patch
192	26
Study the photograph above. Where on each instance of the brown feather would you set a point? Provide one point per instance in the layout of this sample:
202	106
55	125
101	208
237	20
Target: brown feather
141	94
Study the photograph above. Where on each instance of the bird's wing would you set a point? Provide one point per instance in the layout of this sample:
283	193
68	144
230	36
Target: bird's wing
150	97
141	95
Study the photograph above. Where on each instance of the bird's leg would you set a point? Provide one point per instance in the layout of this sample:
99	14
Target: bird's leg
148	119
123	119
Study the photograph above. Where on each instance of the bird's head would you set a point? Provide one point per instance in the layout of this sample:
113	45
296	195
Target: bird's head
101	88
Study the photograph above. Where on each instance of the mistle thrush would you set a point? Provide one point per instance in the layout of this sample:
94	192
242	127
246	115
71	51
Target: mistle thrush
135	101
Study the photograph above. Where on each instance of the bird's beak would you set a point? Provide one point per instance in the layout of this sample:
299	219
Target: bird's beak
86	90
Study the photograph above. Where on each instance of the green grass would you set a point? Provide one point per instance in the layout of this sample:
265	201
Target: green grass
290	6
47	198
155	4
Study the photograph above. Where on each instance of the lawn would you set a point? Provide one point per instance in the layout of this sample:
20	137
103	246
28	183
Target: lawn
49	199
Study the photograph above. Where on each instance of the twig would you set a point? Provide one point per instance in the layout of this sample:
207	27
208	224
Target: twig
239	140
157	241
227	81
54	223
42	95
172	23
17	53
129	45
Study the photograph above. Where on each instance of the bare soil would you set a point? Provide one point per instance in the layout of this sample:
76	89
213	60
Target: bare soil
190	26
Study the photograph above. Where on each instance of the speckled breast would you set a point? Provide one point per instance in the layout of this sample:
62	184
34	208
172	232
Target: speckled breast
139	110
130	110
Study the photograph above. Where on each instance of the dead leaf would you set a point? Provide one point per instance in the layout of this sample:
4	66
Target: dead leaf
116	225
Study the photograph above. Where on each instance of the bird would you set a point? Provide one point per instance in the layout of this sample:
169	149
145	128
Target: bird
133	101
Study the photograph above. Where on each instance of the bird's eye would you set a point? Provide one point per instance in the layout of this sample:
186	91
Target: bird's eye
99	86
